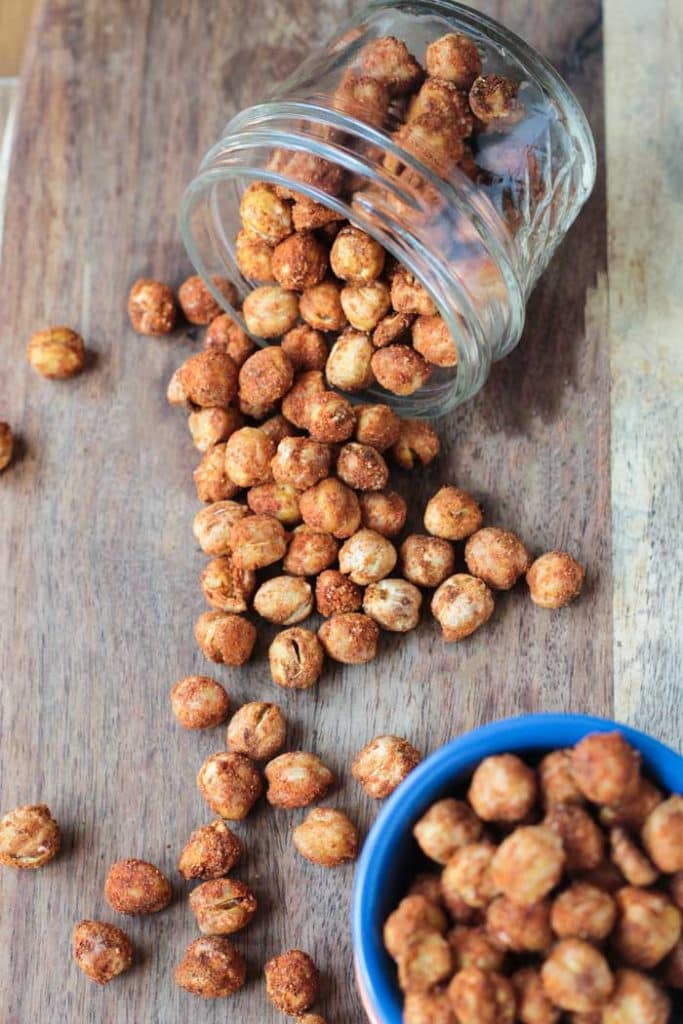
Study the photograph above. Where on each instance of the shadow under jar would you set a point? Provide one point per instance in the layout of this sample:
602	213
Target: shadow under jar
472	206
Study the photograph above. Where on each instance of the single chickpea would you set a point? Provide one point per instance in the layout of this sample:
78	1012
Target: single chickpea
332	507
296	659
348	365
225	335
151	307
356	257
528	864
414	915
310	552
136	887
306	348
427	1008
257	541
278	500
197	302
636	999
400	369
321	307
648	926
326	837
210	427
493	98
557	781
663	835
632	812
284	600
29	837
377	426
350	638
248	453
254	257
6	445
264	214
443	101
383	511
301	462
468	875
209	379
309	170
330	417
425	961
433	340
409	296
102	951
583	912
225	586
258	729
211	968
270	311
519	929
266	376
211	852
362	467
577	977
555	579
448	825
605	767
309	215
461	605
365	98
383	763
299	262
212	526
297	779
367	557
454	58
336	593
426	561
497	557
295	404
582	840
394	604
472	947
56	353
452	514
292	981
277	428
225	638
388	60
230	784
393	327
533	1005
222	906
417	443
199	702
634	865
478	996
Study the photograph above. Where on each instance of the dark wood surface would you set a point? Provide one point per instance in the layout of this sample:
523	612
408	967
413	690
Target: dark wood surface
98	567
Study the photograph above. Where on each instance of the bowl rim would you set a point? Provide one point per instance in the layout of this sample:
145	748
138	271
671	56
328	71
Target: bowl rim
464	750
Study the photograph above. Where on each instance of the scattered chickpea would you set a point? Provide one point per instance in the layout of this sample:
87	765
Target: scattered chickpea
400	369
136	887
583	911
211	852
330	417
257	541
258	730
426	561
448	825
197	302
326	837
461	605
663	835
248	453
556	780
6	445
388	60
409	296
533	1005
393	327
383	764
394	604
209	378
605	767
299	262
350	637
210	427
321	307
478	995
362	467
292	981
306	348
452	514
468	876
493	98
264	214
29	837
199	702
528	864
336	593
577	977
496	556
555	579
102	951
230	784
367	557
296	659
648	926
417	443
225	638
454	58
285	600
297	779
520	928
383	511
151	307
225	586
636	999
225	335
270	311
413	915
581	838
310	552
212	525
348	364
433	340
377	426
56	353
222	906
331	507
301	462
211	968
295	404
356	257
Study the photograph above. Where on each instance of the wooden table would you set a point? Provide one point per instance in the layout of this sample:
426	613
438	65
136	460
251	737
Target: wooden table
572	443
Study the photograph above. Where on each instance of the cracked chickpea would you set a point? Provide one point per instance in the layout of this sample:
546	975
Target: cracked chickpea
211	479
230	783
199	702
225	335
211	967
497	557
409	296
454	58
478	996
299	262
467	875
533	1005
209	379
356	257
555	579
583	911
29	837
605	767
151	307
582	840
225	586
211	852
348	364
258	729
331	507
648	926
350	637
257	541
209	427
330	417
212	525
197	302
284	600
452	514
281	501
335	593
519	929
264	214
377	426
494	98
306	348
362	467
321	307
367	557
448	825
310	551
383	764
426	561
6	445
222	906
461	605
577	977
296	659
394	604
392	327
400	369
414	915
417	444
56	353
297	779
225	638
295	404
102	951
636	999
528	864
301	462
270	311
663	835
292	982
135	886
326	837
383	511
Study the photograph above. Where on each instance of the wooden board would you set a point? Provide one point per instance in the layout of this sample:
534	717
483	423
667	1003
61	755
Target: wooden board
98	565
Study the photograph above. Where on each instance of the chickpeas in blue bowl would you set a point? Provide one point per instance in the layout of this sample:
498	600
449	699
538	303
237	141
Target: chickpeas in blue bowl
530	871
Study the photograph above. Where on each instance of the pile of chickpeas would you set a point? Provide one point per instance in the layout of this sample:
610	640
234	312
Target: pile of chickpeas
559	895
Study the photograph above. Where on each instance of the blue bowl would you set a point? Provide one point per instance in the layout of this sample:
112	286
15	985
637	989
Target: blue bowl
390	856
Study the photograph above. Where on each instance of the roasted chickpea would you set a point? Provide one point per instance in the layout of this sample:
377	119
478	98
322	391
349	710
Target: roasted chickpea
306	348
297	779
388	60
264	214
335	593
582	840
278	500
555	579
136	887
225	335
557	781
461	605
533	1005
292	982
521	929
605	767
270	311
309	170
497	557
248	453
296	659
209	378
199	702
433	340
29	837
467	875
663	835
285	600
583	912
356	257
299	262
503	788
577	977
309	1018
295	404
447	825
648	926
383	511
633	811
394	604
321	307
225	638
427	1008
400	369
307	214
417	443
197	302
211	478
210	427
310	551
212	526
528	864
255	410
393	327
211	968
409	296
634	865
472	947
426	561
222	906
151	307
424	962
454	58
636	999
362	97
365	305
102	951
254	257
258	730
478	996
230	784
257	541
6	445
266	376
301	462
443	101
414	915
331	507
277	428
362	467
56	353
377	426
350	637
428	885
330	417
452	514
367	557
493	98
326	837
210	852
348	365
383	764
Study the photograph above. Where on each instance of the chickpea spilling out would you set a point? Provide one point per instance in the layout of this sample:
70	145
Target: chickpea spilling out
542	909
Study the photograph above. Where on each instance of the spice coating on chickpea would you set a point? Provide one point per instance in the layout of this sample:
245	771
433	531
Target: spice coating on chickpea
6	445
292	981
310	551
266	376
577	977
321	307
367	557
388	60
377	426
636	999
225	335
222	906
285	600
663	835
605	767
199	702
296	659
295	404
56	353
270	311
582	840
299	262
391	328
330	417
211	968
225	586
427	1008
264	214
212	525
503	788
414	914
455	58
583	912
326	837
493	97
258	729
497	557
461	605
443	101
417	443
555	579
468	875
533	1005
350	637
348	364
383	764
281	501
362	467
211	478
296	779
445	827
306	348
648	926
478	996
528	864
254	257
230	784
383	511
225	638
211	852
335	593
210	427
362	97
426	561
400	369
520	929
331	507
301	462
308	214
151	307
452	514
425	961
209	378
102	951
29	837
356	257
556	780
136	887
409	296
433	340
257	541
394	604
197	302
634	810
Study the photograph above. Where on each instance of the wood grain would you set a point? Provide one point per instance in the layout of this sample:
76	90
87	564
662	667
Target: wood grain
117	104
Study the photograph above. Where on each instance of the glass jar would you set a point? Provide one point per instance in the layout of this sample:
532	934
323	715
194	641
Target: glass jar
476	232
